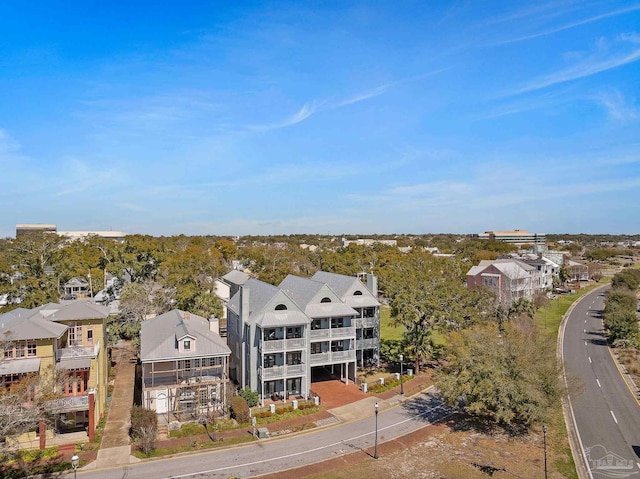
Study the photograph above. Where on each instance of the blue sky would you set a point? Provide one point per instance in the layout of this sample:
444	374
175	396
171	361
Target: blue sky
320	117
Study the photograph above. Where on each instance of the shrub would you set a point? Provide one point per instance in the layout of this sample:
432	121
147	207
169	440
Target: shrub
249	395
144	428
240	409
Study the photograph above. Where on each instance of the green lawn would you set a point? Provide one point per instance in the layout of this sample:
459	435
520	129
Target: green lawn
387	330
551	316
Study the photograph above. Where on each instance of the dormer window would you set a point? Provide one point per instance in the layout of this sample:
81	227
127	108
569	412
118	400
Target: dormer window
186	345
357	293
325	300
281	307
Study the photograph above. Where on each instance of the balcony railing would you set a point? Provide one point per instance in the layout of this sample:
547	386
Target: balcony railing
366	323
295	343
272	372
78	352
371	343
68	403
296	369
273	345
322	358
282	344
319	333
345	332
169	378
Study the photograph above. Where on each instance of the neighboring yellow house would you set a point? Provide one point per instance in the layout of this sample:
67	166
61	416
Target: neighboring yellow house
69	337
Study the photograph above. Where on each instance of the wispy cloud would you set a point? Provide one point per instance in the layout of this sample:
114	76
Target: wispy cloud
591	66
567	26
316	106
618	108
364	95
81	176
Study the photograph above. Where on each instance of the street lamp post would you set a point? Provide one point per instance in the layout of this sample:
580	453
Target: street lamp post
544	434
75	462
375	447
401	368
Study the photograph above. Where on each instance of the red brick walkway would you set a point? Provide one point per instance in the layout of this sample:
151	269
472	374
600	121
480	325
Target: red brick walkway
335	393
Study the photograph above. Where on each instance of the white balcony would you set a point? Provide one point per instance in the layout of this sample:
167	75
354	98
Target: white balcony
296	369
333	357
347	332
296	343
371	343
78	352
274	345
319	333
272	372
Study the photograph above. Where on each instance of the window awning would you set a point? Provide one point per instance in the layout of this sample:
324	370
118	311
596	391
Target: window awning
19	366
82	363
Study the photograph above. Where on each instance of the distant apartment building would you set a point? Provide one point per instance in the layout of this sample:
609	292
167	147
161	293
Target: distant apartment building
22	229
367	242
515	237
509	279
69	339
281	336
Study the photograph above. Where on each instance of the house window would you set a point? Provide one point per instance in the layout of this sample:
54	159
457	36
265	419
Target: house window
281	307
368	333
270	334
325	300
337	322
89	337
357	293
269	360
316	324
187	365
20	350
8	353
293	333
294	358
337	346
186	345
316	348
31	349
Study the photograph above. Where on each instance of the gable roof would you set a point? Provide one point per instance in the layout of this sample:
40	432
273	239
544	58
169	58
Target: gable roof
345	287
259	294
306	294
159	337
18	326
42	322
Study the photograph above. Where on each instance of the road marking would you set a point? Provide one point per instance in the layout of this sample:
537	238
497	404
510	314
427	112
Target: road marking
327	446
614	417
600	386
585	321
585	343
585	331
589	358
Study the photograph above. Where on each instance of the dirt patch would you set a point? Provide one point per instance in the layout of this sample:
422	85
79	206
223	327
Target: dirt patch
439	451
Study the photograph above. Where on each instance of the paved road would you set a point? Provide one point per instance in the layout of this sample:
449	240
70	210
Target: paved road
606	413
279	454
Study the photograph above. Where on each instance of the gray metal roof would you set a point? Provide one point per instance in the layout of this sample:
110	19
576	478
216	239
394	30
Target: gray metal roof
345	287
19	366
79	363
301	290
236	277
274	319
22	325
329	310
259	294
158	337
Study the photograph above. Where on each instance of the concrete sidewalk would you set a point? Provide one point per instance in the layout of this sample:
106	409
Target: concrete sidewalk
115	448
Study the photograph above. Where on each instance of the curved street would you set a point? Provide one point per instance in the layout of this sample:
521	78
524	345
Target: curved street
607	415
272	455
